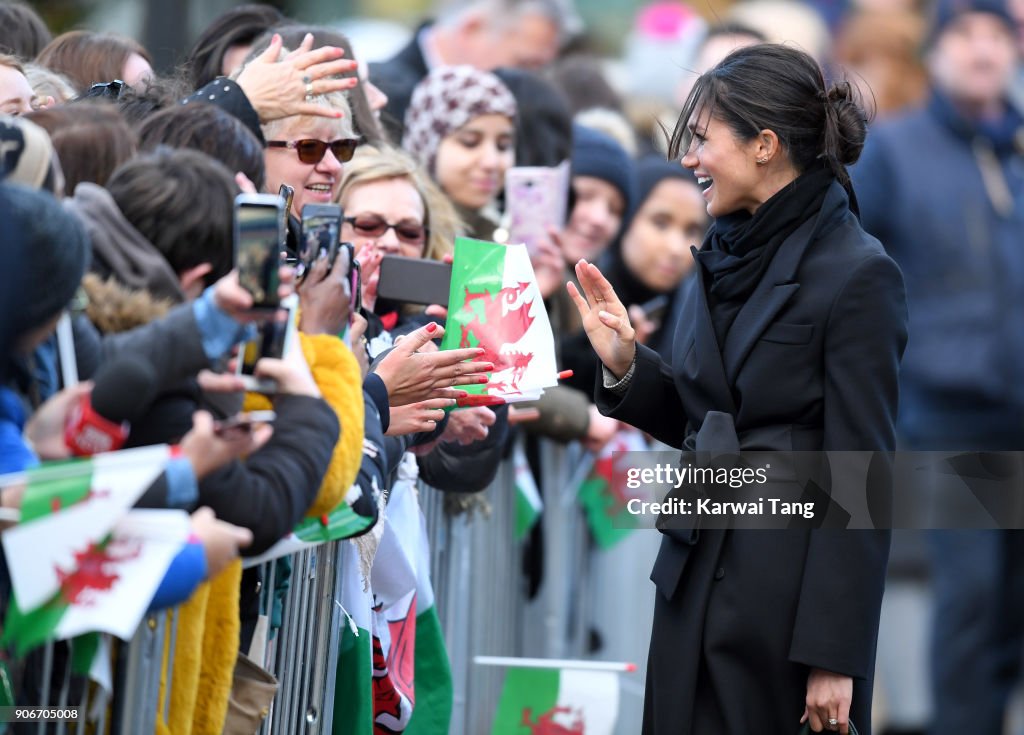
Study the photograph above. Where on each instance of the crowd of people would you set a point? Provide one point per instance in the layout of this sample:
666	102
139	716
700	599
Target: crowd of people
118	198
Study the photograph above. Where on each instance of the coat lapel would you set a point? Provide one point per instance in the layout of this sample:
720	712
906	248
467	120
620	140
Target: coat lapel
709	372
775	289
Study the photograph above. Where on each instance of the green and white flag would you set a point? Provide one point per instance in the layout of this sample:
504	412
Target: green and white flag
412	681
67	509
353	681
537	701
344	522
604	495
495	304
108	587
528	501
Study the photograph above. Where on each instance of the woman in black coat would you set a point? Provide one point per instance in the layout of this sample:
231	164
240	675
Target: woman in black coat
790	340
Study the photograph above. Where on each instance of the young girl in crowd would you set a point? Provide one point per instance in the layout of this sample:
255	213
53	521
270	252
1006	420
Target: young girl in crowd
461	127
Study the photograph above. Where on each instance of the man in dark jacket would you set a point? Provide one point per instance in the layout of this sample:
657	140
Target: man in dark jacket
943	189
524	34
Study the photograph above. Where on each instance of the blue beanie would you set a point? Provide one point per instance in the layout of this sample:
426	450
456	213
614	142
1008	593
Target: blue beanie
946	11
597	154
51	249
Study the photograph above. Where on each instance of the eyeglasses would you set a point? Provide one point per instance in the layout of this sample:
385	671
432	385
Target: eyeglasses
373	225
312	151
107	90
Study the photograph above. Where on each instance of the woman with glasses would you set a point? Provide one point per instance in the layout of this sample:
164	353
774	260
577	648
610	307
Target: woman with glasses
461	127
307	152
393	208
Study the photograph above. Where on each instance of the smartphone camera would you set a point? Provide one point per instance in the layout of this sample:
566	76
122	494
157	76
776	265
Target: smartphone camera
259	231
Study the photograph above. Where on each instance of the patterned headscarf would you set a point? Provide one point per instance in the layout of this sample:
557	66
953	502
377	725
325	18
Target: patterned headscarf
446	99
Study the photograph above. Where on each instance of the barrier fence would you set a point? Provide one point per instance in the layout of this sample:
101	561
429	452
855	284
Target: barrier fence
586	598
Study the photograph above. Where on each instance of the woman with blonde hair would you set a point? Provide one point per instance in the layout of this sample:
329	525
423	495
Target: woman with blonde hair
393	208
427	229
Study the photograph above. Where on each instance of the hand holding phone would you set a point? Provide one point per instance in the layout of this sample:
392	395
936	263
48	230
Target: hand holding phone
259	232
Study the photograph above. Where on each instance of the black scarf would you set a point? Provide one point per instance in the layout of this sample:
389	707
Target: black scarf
739	246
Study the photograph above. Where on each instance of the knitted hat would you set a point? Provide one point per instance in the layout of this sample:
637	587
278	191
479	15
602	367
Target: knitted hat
26	154
596	154
946	11
446	99
650	171
49	247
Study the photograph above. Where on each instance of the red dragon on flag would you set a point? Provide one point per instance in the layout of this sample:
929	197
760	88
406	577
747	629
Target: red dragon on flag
495	322
95	570
545	723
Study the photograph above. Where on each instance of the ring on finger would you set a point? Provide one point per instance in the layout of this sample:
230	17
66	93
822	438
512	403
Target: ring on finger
309	86
833	722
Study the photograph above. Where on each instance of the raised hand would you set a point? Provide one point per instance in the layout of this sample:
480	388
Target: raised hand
279	89
604	318
411	376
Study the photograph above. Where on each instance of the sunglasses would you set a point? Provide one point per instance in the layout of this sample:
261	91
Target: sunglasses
311	150
373	225
106	90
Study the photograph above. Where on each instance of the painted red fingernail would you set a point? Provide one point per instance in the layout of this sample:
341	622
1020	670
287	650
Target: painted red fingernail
482	379
431	328
488	367
325	520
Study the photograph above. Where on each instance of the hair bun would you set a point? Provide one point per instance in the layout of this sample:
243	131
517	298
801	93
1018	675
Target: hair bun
847	123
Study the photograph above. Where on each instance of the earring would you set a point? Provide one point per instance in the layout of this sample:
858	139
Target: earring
762	161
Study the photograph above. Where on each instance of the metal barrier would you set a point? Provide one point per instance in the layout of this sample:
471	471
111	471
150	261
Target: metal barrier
476	568
480	589
304	653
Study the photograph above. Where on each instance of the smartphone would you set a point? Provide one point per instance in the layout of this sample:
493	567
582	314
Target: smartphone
321	233
356	286
272	340
243	421
536	198
259	232
414	280
655	309
287	193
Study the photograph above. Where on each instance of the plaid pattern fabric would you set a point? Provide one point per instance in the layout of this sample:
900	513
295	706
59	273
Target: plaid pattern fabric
446	99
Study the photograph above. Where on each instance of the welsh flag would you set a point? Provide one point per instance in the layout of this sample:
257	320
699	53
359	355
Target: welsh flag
353	681
528	501
67	511
106	588
393	673
353	516
495	304
412	683
603	493
539	701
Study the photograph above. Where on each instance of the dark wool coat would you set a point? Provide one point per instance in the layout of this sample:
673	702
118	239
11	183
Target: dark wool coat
810	363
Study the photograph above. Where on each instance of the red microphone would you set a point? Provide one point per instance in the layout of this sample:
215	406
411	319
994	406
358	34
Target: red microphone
122	391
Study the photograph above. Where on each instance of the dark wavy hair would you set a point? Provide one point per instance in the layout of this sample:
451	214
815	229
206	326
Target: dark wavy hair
210	130
779	88
238	26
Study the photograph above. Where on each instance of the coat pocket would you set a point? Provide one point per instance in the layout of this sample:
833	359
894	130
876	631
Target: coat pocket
788	334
